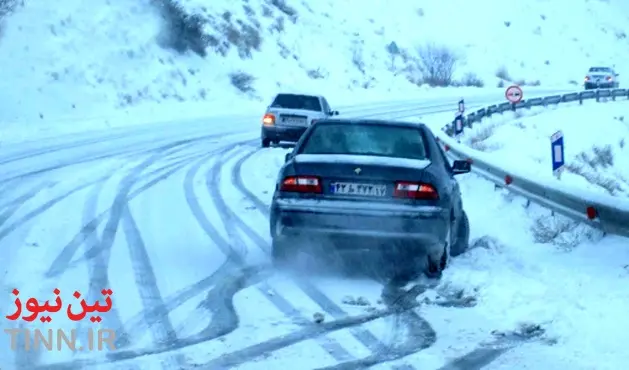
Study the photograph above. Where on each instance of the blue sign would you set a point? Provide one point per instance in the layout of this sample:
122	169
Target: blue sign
458	124
557	152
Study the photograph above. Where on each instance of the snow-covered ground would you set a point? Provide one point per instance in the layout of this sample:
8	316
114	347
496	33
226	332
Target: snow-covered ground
179	231
168	204
596	142
74	65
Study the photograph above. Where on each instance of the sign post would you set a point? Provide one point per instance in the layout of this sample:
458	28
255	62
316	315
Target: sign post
557	153
514	95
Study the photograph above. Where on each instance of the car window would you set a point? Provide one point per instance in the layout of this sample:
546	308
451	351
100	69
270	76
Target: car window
356	139
326	106
600	69
290	101
446	161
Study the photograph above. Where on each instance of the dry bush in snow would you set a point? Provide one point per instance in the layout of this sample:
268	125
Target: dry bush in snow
242	81
438	64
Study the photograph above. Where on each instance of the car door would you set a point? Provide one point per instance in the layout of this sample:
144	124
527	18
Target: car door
457	202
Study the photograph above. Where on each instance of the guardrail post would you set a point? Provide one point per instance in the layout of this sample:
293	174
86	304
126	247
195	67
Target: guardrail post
580	99
598	97
513	107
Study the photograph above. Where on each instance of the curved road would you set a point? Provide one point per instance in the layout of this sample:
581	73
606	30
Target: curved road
173	219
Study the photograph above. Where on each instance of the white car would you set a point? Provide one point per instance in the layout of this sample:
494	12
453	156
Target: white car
289	115
601	78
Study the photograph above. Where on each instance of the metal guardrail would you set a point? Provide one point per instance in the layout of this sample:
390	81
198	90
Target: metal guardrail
605	212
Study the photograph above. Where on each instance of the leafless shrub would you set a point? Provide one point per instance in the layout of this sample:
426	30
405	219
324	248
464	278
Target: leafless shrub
546	229
589	166
501	83
562	232
242	81
9	6
278	25
503	74
181	31
315	74
478	139
471	79
438	64
358	59
281	5
573	82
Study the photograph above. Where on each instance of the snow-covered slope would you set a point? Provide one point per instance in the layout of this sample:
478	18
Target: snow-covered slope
78	58
596	137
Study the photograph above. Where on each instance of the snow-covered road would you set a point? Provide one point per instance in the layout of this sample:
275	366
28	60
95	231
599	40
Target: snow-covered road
174	221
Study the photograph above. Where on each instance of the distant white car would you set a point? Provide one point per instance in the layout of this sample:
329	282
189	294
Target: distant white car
601	77
289	115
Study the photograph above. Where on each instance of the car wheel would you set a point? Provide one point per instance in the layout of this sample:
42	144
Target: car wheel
462	241
266	143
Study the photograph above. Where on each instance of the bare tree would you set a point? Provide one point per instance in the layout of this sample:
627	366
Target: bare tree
438	63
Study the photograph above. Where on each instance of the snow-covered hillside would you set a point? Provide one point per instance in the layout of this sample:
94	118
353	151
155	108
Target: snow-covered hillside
596	137
77	58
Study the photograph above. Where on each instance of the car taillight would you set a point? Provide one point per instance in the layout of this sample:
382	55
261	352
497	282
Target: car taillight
268	119
301	184
609	78
587	78
313	121
415	190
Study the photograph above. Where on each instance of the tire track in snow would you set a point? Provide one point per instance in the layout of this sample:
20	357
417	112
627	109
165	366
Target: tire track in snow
14	205
98	266
137	324
162	330
231	221
250	353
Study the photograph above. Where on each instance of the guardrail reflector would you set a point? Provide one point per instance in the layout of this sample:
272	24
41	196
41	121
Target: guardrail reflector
508	180
591	212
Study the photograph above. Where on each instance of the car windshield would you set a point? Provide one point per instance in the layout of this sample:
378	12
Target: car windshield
600	69
356	139
290	101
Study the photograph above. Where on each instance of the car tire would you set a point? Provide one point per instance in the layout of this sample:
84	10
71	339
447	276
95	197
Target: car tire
266	143
462	241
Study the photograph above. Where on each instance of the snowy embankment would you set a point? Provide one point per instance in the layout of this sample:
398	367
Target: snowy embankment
72	65
596	142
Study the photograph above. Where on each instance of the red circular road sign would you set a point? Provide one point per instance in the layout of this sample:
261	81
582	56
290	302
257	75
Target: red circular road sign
513	94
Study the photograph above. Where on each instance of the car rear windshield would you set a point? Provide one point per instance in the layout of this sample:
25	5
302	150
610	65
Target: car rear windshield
290	101
356	139
600	69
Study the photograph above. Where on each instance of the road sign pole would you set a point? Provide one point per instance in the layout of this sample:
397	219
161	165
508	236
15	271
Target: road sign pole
557	153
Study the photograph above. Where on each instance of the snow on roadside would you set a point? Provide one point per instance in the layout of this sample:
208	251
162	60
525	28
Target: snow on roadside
596	137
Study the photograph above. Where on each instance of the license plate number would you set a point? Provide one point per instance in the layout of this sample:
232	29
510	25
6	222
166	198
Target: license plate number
294	121
349	188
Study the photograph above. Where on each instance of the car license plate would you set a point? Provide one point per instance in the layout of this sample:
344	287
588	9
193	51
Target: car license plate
350	188
295	121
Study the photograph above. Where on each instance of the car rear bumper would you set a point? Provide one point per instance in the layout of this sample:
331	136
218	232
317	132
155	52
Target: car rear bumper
282	133
601	85
345	220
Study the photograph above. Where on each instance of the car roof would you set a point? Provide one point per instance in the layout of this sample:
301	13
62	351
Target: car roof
375	122
298	94
595	67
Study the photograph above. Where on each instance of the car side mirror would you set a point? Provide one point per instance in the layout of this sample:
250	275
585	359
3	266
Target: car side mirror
617	74
287	157
460	167
334	113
